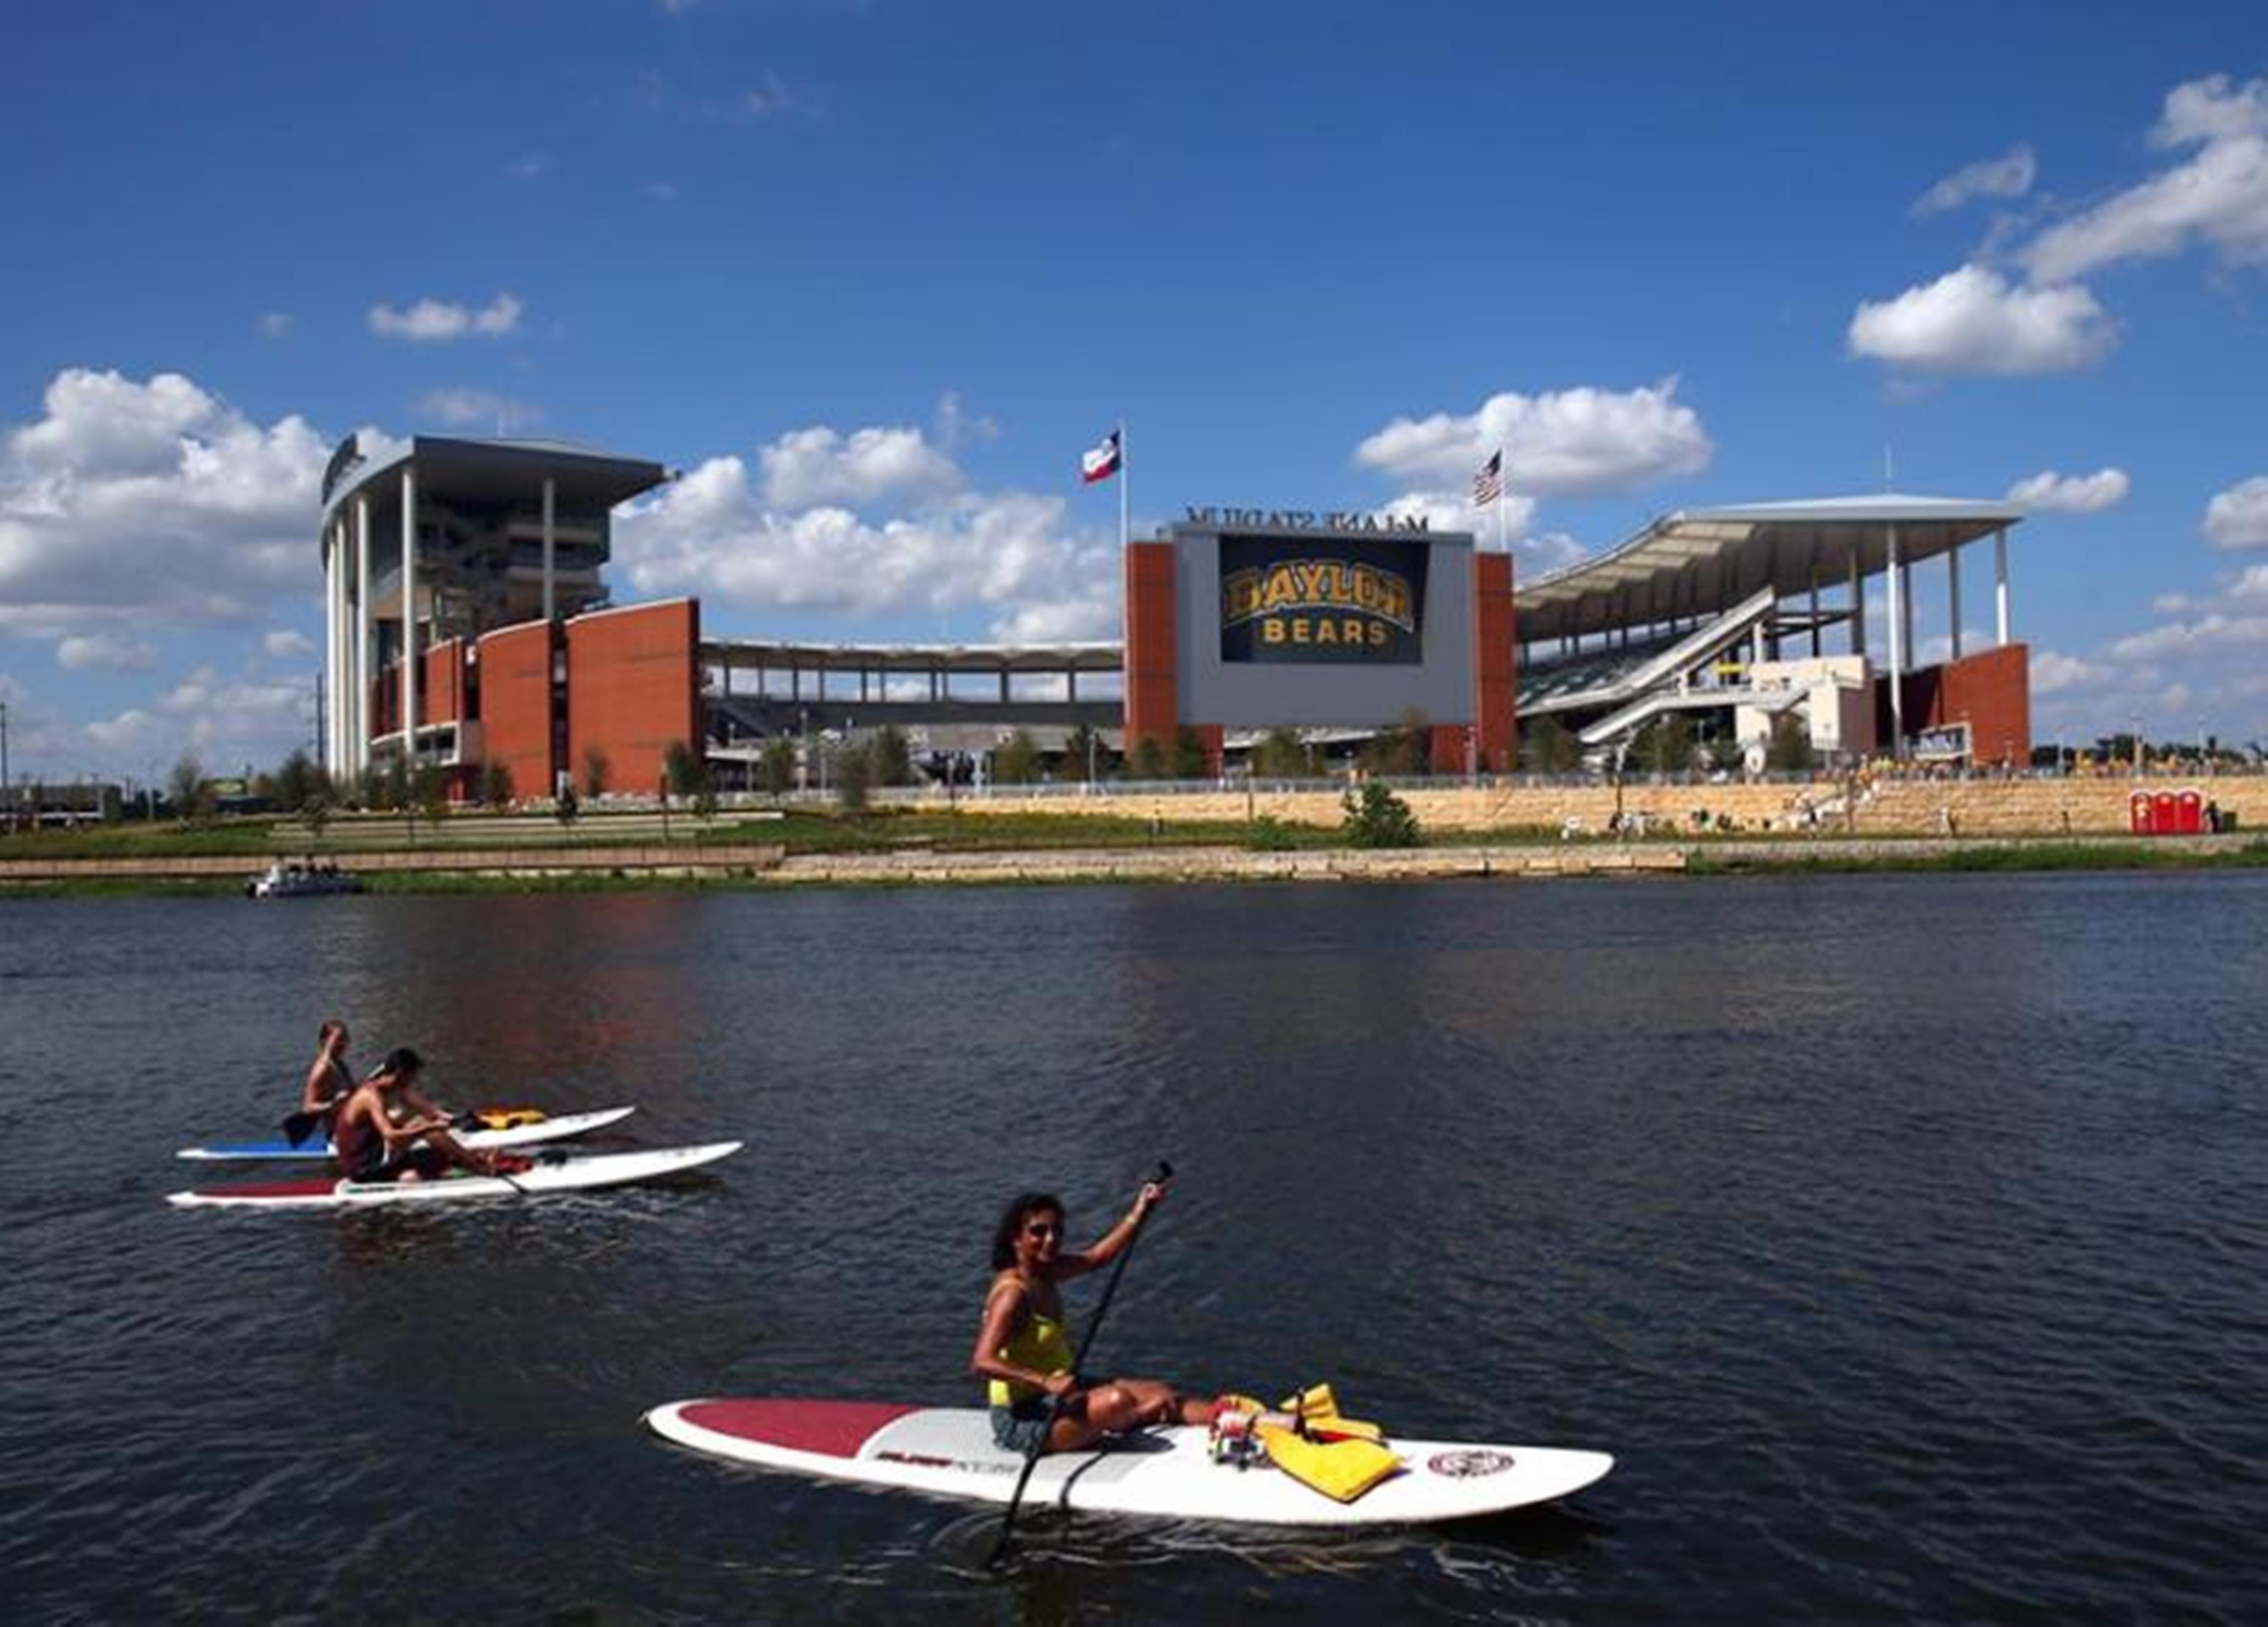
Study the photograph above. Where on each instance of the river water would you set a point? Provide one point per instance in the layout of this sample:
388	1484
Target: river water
1903	1236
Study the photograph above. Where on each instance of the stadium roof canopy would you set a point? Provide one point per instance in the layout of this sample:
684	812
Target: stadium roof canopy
1700	560
745	653
496	473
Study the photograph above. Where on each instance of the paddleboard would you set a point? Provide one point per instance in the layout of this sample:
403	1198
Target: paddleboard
518	1136
558	1171
948	1451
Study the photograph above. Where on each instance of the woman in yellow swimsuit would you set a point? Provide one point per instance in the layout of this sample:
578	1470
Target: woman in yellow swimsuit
1024	1347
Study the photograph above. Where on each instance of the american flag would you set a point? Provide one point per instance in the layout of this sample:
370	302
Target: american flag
1488	485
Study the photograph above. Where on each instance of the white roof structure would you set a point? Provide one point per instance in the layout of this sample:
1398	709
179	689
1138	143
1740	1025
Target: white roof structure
1700	560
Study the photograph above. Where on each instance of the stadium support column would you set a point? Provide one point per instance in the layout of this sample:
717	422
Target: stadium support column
408	685
1152	679
550	498
1953	593
1857	604
1894	575
331	731
358	714
2001	583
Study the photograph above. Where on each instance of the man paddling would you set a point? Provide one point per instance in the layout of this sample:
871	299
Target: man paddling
388	1131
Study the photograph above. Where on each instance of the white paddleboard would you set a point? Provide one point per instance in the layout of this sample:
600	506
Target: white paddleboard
543	1129
948	1451
560	1172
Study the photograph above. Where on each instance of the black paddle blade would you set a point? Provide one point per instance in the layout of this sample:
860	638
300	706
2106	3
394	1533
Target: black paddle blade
299	1126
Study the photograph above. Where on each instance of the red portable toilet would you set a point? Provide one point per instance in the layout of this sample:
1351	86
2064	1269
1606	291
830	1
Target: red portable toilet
2164	816
2138	814
2189	811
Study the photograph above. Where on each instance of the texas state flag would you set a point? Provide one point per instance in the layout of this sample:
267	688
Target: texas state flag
1101	461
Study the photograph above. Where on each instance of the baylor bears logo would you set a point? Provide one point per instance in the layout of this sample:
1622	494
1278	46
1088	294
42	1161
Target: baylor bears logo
1469	1465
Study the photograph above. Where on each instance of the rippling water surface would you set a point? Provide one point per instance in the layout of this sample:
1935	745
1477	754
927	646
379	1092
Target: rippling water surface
1904	1237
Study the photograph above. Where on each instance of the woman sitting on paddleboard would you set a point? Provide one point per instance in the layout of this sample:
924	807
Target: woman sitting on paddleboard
373	1143
1024	1346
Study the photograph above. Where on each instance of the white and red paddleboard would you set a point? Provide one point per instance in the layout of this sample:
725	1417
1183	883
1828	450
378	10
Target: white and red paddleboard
558	1171
948	1451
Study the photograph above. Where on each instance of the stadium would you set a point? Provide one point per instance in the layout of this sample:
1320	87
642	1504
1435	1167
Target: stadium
468	624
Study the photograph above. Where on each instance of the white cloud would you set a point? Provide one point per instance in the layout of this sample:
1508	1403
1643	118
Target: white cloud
136	503
460	407
284	644
2008	176
1564	442
133	731
661	191
2072	494
956	428
806	468
433	319
712	532
2056	673
100	652
2213	632
276	324
2238	517
2251	584
1973	320
2219	196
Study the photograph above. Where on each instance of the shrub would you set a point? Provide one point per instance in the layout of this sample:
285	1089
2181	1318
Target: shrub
1376	818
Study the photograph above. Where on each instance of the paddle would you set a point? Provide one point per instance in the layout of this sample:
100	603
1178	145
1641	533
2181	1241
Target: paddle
1163	1175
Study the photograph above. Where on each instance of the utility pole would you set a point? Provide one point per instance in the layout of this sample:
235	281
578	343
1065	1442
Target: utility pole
11	824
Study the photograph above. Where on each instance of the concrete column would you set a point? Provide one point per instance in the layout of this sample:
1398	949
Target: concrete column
359	757
1905	609
1953	594
409	615
1857	605
550	489
1894	576
330	720
2001	583
1811	606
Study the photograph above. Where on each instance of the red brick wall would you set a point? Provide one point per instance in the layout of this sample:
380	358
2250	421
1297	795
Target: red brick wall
633	687
1152	661
1446	750
1991	693
516	705
441	683
1214	740
1496	673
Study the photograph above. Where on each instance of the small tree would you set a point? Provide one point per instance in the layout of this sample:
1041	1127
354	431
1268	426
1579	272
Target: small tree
496	788
1789	750
852	768
188	790
892	759
598	772
1016	760
1376	818
1082	751
1190	758
682	771
776	765
1664	746
429	790
1550	747
1403	746
1280	755
393	786
1148	759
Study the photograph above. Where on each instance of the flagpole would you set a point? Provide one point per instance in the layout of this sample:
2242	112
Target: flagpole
1125	480
1501	547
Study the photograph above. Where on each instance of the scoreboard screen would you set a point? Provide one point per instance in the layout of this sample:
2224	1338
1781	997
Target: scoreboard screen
1340	601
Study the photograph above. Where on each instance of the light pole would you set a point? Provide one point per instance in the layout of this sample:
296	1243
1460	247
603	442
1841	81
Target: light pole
2134	727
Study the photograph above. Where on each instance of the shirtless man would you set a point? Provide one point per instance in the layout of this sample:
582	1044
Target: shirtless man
329	1080
387	1131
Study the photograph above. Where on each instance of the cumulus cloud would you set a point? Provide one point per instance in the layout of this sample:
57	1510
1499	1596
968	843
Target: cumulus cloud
462	407
1973	320
1566	443
808	467
284	644
2072	494
2219	196
142	502
100	652
788	540
431	320
2056	673
2238	517
2008	176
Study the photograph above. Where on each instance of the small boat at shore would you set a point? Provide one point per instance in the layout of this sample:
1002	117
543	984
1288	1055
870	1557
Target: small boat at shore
282	879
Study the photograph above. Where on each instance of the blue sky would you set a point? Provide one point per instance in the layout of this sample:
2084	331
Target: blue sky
874	274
